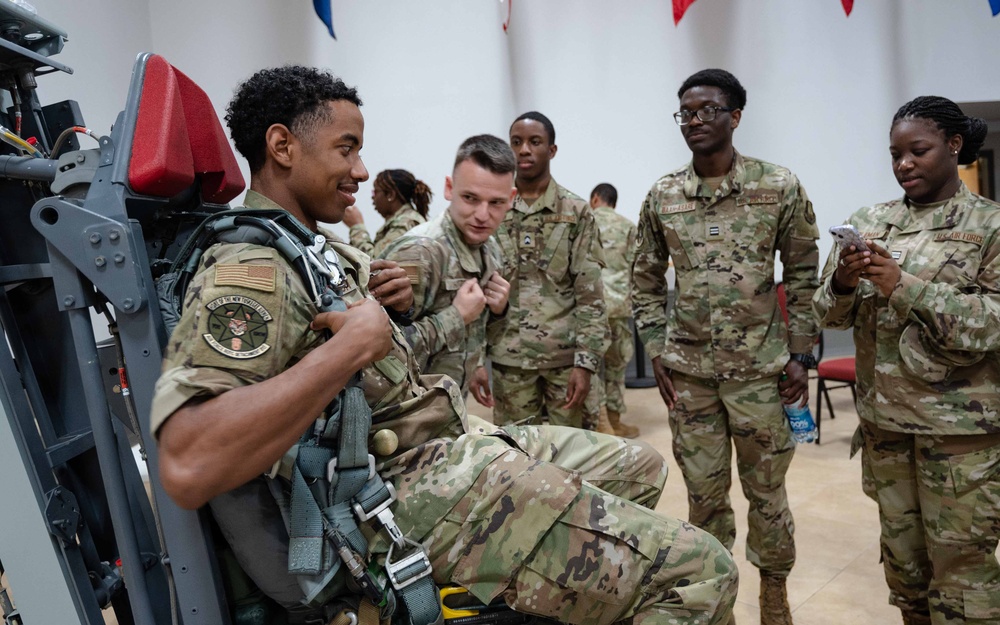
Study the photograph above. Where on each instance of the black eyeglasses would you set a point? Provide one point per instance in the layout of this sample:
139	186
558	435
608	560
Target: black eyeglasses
705	114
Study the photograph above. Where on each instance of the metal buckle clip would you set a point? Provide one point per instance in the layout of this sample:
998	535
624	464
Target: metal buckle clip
331	470
417	556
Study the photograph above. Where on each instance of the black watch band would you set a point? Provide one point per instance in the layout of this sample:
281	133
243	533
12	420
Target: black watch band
806	359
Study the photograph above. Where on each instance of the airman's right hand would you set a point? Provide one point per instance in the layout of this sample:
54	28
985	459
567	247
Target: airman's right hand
665	383
364	321
850	267
470	301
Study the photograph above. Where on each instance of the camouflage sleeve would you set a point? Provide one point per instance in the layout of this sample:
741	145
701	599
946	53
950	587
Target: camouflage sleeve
832	310
649	281
630	251
965	318
360	239
432	330
797	234
589	314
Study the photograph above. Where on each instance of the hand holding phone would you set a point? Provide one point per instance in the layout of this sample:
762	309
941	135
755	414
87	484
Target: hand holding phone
846	236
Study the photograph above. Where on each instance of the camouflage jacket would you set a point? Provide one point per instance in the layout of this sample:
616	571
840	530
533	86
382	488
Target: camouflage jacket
394	227
438	262
618	240
212	351
556	315
926	359
726	323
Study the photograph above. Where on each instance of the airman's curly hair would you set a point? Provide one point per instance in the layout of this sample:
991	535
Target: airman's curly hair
292	95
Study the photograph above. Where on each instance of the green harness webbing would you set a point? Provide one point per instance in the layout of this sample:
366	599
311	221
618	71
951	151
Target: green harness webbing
334	485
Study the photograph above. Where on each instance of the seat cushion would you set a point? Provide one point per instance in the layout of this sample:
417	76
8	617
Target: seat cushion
840	369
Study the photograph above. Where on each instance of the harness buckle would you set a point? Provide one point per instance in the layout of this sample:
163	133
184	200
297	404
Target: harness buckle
410	568
331	470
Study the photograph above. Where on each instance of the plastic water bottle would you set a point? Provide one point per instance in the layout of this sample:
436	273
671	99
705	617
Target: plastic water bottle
801	420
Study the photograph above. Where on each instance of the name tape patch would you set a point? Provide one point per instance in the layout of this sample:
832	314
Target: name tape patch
968	237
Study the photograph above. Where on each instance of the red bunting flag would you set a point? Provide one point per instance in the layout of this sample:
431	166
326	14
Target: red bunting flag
680	6
848	6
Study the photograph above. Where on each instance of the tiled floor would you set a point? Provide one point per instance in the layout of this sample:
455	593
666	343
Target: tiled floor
837	579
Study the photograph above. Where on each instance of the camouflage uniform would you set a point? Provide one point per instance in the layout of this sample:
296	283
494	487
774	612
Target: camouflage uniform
927	378
464	486
556	318
725	339
438	262
394	227
618	241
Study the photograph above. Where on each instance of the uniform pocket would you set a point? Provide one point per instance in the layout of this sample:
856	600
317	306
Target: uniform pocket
680	244
971	503
982	604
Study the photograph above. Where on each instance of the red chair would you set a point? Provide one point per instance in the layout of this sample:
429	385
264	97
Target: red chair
839	371
832	373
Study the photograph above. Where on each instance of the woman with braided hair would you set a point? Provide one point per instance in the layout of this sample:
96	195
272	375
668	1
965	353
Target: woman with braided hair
401	199
924	305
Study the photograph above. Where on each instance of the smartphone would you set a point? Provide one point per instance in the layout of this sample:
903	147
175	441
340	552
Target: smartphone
846	236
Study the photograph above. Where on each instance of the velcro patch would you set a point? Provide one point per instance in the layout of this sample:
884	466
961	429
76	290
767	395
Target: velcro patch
237	327
968	237
678	208
757	198
260	277
560	219
412	272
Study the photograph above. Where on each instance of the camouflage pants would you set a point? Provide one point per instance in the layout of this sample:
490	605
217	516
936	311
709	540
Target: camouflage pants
533	395
616	359
599	555
939	505
711	418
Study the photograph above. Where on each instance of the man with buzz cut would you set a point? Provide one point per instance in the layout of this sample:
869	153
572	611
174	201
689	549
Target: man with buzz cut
454	262
554	335
724	359
291	433
618	242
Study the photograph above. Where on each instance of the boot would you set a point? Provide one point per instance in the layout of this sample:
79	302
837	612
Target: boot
622	429
916	618
774	608
603	425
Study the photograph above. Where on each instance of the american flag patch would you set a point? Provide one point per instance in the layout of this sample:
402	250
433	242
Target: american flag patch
260	277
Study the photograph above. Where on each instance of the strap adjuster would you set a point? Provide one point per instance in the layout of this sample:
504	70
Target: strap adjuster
331	469
416	558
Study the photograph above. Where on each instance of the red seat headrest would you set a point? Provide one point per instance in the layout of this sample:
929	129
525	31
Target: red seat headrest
178	138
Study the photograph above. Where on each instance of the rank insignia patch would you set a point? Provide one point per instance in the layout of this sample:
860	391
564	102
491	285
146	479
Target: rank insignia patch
237	327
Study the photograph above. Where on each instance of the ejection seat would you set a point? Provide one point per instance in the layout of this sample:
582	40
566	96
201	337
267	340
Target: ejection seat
119	215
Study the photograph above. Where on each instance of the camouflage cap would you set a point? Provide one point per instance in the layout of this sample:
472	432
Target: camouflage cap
925	361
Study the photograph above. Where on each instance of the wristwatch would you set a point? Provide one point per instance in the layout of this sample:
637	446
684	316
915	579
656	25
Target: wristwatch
806	359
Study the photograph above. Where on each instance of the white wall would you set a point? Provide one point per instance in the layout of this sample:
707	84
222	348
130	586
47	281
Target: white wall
822	87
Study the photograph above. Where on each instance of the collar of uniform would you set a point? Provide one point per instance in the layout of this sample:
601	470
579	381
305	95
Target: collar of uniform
403	213
256	200
546	200
732	183
399	217
357	262
945	216
468	255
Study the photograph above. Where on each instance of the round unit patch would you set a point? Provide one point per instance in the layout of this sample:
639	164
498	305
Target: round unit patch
237	327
